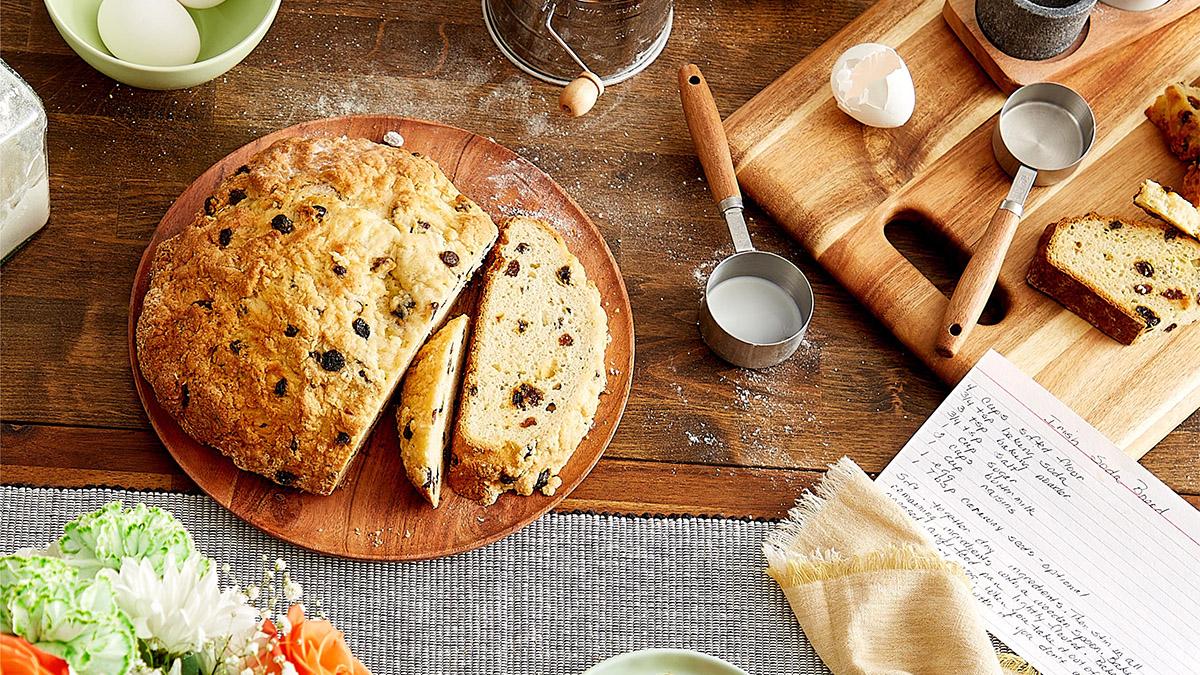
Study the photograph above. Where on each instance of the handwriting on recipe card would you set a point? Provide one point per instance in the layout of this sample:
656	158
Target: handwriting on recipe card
1082	561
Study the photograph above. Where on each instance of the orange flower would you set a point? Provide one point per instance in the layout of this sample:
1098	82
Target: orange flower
315	647
18	657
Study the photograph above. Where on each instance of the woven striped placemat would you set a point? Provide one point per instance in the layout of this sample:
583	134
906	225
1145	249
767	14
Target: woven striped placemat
557	597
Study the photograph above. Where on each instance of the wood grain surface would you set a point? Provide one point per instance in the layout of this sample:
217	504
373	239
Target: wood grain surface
945	175
1107	28
697	435
374	514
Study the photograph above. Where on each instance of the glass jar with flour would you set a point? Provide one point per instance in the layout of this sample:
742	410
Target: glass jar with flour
24	173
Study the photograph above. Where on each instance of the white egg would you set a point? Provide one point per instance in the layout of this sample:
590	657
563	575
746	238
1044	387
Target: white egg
149	32
872	84
200	4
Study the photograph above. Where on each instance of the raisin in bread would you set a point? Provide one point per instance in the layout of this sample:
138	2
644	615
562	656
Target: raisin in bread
427	406
1177	114
535	368
279	322
1127	278
1169	206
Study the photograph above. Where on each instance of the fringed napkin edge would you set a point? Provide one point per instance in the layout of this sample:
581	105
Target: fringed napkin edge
793	568
790	566
780	541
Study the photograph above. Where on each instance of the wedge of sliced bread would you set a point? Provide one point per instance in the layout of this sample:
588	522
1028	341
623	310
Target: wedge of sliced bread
1169	206
427	407
1177	114
535	368
1127	278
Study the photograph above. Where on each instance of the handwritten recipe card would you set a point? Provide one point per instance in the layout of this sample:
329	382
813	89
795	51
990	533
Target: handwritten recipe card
1082	560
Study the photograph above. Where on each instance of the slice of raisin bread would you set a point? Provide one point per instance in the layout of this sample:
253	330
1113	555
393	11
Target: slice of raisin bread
1169	206
1127	278
278	323
1177	114
535	369
427	406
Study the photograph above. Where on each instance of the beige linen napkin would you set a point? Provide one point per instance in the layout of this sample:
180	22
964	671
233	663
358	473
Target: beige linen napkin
870	590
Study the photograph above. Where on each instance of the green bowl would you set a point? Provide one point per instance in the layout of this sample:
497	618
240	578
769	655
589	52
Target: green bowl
664	662
228	32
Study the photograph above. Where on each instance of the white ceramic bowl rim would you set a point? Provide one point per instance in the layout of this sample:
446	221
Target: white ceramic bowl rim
619	659
256	34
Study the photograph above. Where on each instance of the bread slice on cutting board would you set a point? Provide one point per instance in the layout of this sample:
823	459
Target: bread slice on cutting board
535	367
1127	278
1176	112
427	407
1170	207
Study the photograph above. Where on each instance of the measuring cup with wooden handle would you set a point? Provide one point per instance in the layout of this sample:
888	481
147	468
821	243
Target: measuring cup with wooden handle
757	304
1043	133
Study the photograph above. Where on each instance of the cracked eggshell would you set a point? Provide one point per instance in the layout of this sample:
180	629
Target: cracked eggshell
872	84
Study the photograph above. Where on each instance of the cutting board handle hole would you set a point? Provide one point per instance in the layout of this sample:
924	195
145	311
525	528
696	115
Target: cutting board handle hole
938	259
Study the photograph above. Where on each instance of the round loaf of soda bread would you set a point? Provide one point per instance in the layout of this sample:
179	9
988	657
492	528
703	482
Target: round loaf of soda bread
278	323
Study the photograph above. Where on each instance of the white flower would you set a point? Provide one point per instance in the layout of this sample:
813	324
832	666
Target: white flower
183	610
292	590
140	668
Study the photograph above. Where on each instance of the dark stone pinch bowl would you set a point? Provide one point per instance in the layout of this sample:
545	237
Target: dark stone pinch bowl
1032	29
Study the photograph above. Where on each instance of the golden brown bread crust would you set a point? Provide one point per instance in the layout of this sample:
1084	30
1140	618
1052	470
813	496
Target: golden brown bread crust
1177	114
277	325
1191	184
1128	278
425	413
1077	296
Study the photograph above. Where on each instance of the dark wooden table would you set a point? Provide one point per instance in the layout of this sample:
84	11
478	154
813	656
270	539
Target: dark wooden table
697	437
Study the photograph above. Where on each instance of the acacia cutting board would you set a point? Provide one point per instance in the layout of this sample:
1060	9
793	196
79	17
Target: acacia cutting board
834	184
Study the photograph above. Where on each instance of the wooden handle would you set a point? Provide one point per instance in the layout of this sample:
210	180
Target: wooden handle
708	134
578	97
976	283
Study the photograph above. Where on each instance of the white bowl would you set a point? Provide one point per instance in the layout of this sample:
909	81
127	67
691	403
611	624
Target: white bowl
664	662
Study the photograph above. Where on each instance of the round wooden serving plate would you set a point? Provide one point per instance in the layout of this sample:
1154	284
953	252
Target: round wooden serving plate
376	514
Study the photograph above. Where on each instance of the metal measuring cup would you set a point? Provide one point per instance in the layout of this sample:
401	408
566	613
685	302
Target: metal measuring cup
746	350
1042	134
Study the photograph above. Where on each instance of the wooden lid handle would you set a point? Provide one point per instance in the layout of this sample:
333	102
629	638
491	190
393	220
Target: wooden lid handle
708	134
976	283
578	97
